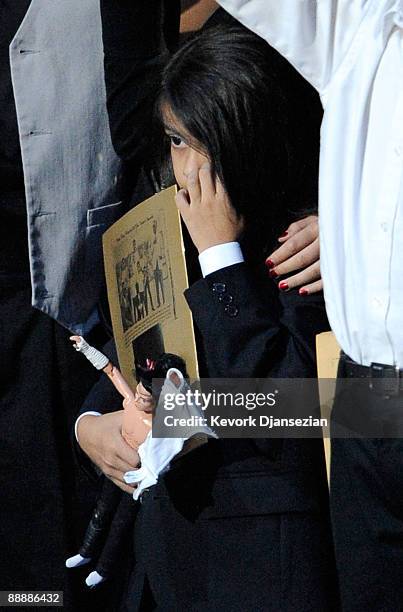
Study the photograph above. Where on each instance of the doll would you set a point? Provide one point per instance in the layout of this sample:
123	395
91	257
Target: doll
115	511
138	406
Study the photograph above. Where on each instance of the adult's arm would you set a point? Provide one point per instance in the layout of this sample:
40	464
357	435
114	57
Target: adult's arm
195	13
314	35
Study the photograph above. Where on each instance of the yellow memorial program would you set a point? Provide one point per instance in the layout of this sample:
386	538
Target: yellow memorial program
146	276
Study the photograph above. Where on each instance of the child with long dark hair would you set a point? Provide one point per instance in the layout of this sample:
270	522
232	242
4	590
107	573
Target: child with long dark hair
240	524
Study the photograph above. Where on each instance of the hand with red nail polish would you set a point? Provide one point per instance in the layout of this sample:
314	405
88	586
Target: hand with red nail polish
299	252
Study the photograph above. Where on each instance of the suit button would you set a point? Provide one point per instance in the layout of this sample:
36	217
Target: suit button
219	288
231	310
225	298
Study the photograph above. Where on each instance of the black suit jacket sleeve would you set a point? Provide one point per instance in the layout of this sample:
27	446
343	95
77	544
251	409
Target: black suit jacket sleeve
250	329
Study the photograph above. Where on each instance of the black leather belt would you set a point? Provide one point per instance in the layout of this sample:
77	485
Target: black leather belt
382	379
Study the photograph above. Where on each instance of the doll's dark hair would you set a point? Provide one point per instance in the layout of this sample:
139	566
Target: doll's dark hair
153	372
257	120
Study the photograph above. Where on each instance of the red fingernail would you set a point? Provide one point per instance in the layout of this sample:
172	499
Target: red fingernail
283	286
303	291
269	263
273	274
283	235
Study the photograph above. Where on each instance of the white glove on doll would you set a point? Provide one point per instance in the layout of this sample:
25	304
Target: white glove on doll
157	453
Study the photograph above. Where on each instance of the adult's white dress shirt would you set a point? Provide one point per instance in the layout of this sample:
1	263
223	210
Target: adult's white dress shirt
351	51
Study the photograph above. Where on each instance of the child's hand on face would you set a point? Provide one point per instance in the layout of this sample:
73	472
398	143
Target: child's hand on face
206	210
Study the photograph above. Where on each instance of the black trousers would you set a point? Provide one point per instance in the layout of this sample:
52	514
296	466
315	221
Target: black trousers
367	498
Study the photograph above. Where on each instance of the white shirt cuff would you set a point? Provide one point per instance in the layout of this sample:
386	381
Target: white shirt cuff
91	412
220	256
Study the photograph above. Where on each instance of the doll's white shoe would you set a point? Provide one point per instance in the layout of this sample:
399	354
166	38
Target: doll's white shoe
77	561
93	579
